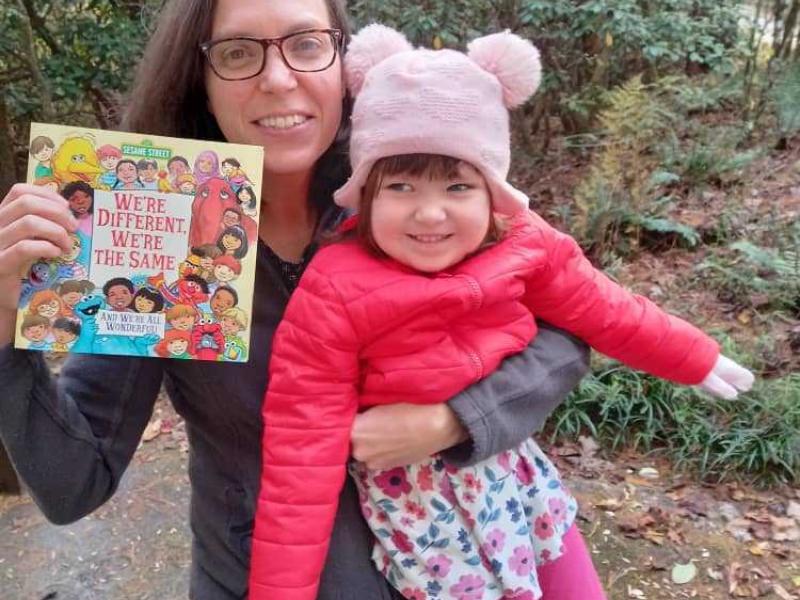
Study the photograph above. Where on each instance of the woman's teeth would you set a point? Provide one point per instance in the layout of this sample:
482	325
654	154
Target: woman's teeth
283	122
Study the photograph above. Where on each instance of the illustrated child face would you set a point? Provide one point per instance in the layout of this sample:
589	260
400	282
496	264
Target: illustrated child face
244	196
183	323
177	168
80	202
109	163
126	173
35	333
73	254
177	347
148	173
224	273
221	301
187	187
227	169
204	165
44	154
230	218
143	305
48	309
71	298
429	223
119	297
63	336
229	326
231	243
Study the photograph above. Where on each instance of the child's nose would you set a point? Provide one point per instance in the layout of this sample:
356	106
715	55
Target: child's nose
430	212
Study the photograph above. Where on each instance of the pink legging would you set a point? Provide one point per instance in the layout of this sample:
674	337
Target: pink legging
572	576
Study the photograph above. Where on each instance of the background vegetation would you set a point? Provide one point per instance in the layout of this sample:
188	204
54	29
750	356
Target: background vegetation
663	120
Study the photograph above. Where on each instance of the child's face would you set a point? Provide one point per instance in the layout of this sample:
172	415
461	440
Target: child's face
230	218
109	163
182	323
177	347
177	168
244	197
148	173
231	242
229	326
227	169
49	309
80	202
44	154
71	298
63	336
221	301
126	173
35	333
143	305
187	187
75	251
224	273
119	297
431	224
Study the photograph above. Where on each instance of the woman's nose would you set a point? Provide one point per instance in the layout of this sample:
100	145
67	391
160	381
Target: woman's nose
276	76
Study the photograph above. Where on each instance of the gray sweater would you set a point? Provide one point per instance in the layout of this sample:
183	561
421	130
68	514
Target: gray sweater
71	440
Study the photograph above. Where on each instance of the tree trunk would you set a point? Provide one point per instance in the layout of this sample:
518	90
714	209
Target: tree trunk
8	167
33	62
789	30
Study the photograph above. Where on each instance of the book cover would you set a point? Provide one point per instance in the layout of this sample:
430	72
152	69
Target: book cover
163	261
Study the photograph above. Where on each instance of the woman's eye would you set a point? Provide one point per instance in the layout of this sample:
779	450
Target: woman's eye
306	45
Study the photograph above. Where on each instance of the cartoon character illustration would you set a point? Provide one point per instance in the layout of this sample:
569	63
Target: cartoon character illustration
119	294
80	196
174	345
71	292
186	183
222	299
208	343
41	149
177	166
232	171
147	169
109	156
234	320
46	303
48	181
206	166
69	260
210	202
127	176
181	316
90	341
226	269
191	290
147	300
41	276
247	201
76	160
233	242
35	329
235	350
65	332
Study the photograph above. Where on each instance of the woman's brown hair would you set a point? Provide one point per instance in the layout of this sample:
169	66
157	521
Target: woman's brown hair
168	95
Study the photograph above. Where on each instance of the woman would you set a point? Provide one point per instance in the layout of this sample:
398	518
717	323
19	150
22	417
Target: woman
107	400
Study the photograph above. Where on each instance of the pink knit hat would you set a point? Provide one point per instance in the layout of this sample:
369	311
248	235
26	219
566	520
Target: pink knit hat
437	102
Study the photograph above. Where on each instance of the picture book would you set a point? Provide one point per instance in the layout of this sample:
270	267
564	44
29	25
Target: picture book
163	260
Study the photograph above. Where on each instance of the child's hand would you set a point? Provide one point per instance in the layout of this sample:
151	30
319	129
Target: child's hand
727	379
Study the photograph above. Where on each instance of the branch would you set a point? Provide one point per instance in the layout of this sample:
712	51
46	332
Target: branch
40	27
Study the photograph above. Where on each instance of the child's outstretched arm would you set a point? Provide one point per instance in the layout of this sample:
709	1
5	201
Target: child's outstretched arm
308	414
571	293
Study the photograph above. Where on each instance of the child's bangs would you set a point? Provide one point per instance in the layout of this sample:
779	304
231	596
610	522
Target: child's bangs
434	166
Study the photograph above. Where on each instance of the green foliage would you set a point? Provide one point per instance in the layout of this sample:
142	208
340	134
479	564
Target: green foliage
785	96
756	437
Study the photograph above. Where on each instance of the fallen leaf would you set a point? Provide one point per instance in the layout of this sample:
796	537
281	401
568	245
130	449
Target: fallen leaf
782	593
683	573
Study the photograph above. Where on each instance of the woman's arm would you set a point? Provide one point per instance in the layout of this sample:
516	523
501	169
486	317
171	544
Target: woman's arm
493	415
71	440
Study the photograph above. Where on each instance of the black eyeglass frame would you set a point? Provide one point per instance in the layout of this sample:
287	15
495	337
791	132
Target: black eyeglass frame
336	38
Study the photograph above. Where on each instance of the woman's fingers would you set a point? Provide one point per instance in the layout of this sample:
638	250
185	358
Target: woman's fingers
35	227
33	200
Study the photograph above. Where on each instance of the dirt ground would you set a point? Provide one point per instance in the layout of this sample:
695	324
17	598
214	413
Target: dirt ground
639	519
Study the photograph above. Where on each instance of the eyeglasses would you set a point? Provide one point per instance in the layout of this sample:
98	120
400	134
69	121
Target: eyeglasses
306	51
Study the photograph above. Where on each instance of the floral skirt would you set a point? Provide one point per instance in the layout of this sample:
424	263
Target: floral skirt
474	533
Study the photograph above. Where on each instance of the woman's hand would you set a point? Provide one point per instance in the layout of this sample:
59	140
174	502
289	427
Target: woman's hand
34	223
400	434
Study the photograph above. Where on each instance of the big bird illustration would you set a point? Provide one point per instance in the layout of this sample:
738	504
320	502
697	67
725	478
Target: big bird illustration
76	160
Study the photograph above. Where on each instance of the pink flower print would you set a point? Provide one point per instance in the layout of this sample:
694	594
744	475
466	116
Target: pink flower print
504	460
382	517
521	562
518	594
366	511
415	594
543	527
469	497
406	521
446	490
558	510
416	510
495	541
401	542
469	587
450	469
470	481
545	555
425	479
438	566
485	560
524	471
393	482
468	518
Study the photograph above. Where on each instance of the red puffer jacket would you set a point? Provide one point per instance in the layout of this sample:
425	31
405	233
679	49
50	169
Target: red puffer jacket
361	331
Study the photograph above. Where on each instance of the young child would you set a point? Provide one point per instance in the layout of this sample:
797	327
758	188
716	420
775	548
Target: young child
428	298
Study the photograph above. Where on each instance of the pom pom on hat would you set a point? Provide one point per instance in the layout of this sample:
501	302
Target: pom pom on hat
513	60
370	46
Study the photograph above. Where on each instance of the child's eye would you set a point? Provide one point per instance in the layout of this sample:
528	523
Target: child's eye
399	187
459	187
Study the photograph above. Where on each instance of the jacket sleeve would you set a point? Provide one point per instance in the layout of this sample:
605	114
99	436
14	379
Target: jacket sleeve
70	441
570	293
308	414
503	409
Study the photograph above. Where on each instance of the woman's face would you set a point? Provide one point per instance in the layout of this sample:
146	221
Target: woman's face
247	111
204	165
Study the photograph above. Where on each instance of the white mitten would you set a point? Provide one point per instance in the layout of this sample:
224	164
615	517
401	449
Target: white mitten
727	379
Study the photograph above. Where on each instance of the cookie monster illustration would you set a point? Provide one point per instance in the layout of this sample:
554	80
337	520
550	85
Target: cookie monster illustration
90	341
